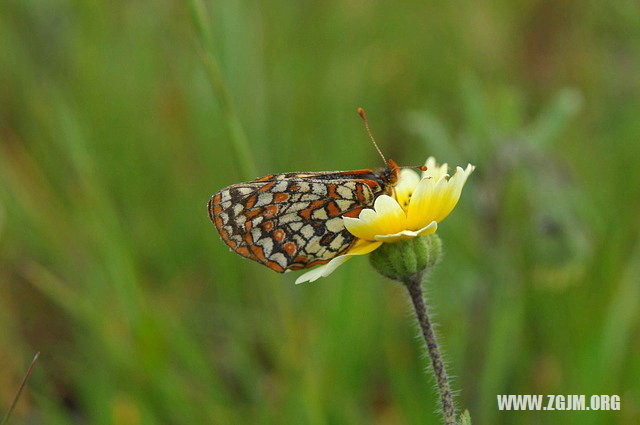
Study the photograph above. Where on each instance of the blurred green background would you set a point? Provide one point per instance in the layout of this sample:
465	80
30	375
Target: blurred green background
119	119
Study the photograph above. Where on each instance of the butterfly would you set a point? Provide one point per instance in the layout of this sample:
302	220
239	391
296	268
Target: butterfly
293	221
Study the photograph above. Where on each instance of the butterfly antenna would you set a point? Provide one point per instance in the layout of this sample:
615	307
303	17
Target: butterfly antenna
417	167
366	124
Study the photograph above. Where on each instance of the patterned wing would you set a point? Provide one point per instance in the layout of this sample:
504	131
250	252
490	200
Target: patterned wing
292	221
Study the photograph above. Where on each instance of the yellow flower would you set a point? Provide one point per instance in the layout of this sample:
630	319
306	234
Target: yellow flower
417	206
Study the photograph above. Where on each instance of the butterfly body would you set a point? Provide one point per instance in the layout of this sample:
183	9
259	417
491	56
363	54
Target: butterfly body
294	221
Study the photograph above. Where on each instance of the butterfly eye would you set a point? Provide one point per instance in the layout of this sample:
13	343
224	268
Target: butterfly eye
392	176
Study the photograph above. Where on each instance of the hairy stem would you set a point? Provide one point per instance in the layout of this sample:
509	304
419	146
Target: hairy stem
414	286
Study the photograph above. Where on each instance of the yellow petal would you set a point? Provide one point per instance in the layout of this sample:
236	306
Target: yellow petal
434	200
360	247
409	234
435	171
407	182
387	217
451	195
420	211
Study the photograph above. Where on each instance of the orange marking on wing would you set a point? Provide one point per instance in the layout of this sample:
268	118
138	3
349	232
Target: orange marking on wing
258	252
300	259
251	201
296	267
294	187
278	235
267	187
248	239
218	222
217	198
290	248
217	208
371	183
281	197
265	178
316	262
223	234
253	213
270	211
317	204
232	244
248	225
306	213
367	171
274	266
333	209
332	191
353	213
359	193
267	226
244	251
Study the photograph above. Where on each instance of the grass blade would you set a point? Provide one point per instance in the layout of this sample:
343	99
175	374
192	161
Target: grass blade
22	385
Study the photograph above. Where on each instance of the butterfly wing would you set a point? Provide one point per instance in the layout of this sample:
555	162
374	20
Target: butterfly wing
293	221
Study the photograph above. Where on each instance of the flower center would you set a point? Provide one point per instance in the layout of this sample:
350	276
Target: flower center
405	204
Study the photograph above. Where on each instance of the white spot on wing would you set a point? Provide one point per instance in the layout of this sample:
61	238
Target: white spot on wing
344	205
335	225
312	247
264	199
307	231
367	194
304	187
299	240
309	197
320	214
280	187
319	189
225	195
296	206
336	243
267	245
224	217
345	192
279	258
288	218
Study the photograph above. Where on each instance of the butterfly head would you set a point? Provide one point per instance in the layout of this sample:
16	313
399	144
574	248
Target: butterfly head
389	174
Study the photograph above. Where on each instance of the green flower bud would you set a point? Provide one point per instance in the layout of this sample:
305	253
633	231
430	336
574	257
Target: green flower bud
465	418
405	259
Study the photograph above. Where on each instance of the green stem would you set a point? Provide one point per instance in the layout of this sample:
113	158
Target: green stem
414	286
239	142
